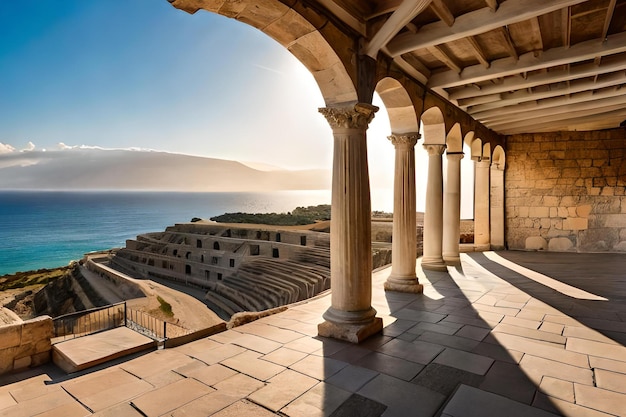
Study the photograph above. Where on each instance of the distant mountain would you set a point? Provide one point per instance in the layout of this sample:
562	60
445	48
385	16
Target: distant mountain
82	169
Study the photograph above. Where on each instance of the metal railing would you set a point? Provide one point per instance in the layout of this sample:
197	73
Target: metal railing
83	323
86	322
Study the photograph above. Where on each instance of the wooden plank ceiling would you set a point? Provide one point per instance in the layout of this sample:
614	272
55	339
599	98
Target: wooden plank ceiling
517	66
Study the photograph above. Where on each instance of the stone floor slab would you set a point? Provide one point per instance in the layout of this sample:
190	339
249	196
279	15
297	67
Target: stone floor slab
284	357
417	351
352	378
72	409
283	389
557	388
472	332
212	374
243	409
318	367
466	361
249	363
536	368
359	406
119	410
600	399
545	351
166	399
612	381
389	365
472	402
530	333
402	398
239	385
602	350
320	401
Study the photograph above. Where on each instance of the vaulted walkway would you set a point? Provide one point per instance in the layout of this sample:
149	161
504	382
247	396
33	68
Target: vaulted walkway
506	333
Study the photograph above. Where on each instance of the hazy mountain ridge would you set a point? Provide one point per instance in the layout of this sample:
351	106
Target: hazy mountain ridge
82	169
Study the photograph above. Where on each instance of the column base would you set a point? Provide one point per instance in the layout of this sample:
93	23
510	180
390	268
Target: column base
434	264
452	259
404	284
351	326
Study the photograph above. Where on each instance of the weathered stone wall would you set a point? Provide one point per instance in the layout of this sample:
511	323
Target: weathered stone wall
565	191
25	344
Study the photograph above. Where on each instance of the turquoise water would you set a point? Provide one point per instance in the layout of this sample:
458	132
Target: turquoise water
49	229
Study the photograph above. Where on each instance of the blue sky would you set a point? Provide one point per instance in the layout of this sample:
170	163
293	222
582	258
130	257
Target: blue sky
142	74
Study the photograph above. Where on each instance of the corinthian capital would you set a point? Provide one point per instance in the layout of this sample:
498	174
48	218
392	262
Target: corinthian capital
434	149
407	140
353	117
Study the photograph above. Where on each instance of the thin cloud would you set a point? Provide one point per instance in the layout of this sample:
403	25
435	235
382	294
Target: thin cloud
275	71
6	148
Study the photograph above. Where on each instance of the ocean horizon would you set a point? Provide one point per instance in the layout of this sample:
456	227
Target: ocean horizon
49	229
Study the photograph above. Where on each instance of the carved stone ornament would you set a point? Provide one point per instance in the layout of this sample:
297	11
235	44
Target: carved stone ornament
409	139
435	149
354	117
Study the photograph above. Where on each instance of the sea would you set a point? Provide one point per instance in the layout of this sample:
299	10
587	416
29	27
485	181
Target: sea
48	229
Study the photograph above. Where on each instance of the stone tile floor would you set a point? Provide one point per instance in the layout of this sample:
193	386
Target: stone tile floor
507	333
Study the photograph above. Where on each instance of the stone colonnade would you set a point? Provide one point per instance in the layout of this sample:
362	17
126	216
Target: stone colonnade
351	316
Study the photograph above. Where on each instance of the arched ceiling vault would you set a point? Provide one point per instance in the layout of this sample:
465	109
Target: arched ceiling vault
496	67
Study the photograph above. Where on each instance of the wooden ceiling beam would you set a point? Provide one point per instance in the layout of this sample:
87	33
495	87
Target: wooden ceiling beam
582	51
492	4
566	26
475	23
558	106
604	120
508	42
398	19
609	64
566	115
609	16
442	12
522	96
445	58
478	51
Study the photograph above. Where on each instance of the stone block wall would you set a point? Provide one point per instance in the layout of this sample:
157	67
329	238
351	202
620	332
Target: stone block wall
565	191
26	344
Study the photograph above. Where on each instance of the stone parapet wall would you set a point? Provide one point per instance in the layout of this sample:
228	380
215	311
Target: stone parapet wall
565	191
26	344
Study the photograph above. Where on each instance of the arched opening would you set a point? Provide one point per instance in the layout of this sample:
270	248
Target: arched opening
216	245
403	136
497	198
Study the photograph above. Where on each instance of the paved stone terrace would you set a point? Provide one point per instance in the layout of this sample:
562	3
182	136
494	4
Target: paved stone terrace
489	338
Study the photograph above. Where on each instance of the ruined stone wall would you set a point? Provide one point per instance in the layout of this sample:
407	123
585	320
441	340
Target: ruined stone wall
25	344
565	191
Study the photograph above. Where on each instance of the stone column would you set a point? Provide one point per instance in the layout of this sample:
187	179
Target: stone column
404	242
452	208
481	205
497	207
350	316
433	215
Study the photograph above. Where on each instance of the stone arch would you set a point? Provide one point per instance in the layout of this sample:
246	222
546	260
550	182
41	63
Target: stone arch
402	116
486	154
434	127
498	159
476	146
496	198
301	32
454	139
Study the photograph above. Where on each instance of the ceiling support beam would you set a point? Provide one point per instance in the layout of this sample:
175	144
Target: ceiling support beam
511	112
474	23
441	55
398	19
442	11
521	96
492	4
530	123
478	51
587	50
554	111
594	122
609	64
508	43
